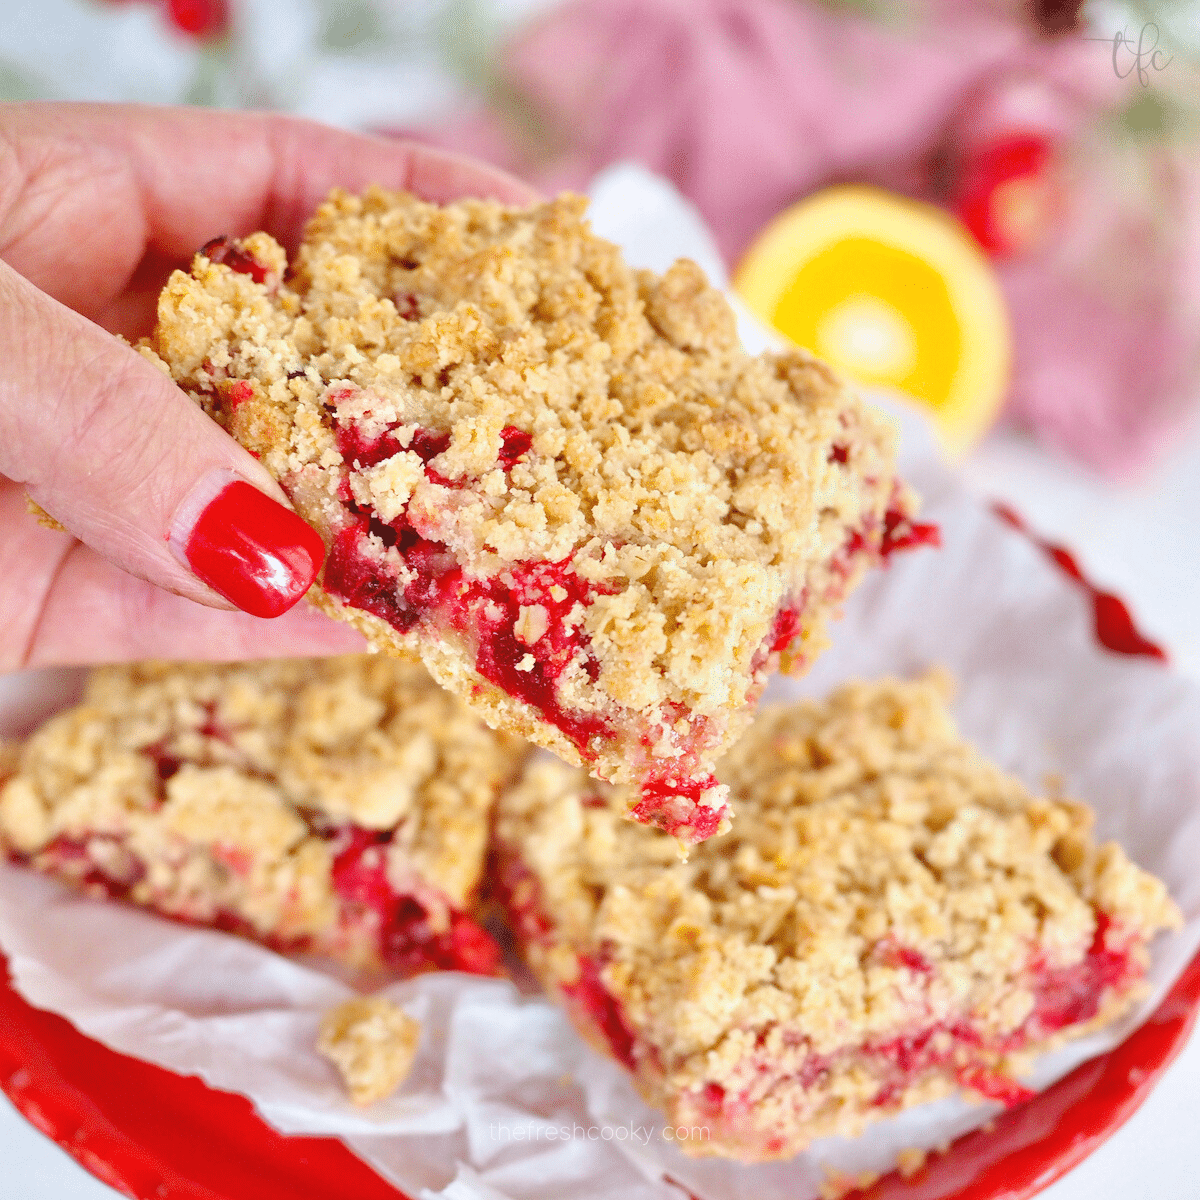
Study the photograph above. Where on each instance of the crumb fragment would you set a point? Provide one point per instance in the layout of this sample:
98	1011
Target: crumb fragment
372	1042
44	519
910	1160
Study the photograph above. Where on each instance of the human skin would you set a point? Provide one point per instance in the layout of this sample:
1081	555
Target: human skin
98	203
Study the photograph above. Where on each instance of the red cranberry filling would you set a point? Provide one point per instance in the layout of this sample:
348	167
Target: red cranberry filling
602	1010
73	858
513	443
1068	995
486	609
531	672
165	764
1064	996
902	533
225	250
407	940
784	629
913	1054
239	393
514	887
660	805
426	444
892	953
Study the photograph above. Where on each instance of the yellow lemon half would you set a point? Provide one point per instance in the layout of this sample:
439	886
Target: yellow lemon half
893	293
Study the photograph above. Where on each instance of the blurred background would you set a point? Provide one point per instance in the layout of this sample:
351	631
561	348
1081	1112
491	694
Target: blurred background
990	206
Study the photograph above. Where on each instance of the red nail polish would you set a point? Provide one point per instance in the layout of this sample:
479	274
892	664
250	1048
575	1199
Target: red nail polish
255	552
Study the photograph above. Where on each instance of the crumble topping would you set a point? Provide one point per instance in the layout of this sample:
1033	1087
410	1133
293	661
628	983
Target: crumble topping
336	804
891	916
559	480
372	1042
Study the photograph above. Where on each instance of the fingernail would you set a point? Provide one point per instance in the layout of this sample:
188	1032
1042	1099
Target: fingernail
256	553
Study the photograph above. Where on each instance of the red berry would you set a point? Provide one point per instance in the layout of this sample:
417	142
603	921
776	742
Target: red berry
225	250
199	18
1008	193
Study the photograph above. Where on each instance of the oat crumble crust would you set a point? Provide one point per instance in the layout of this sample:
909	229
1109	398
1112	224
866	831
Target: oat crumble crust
372	1042
314	804
494	390
890	917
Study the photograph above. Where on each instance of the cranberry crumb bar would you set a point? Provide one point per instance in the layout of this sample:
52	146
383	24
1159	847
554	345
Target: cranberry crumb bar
372	1042
891	918
560	481
338	806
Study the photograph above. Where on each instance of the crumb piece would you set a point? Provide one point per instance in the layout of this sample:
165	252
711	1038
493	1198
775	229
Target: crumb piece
44	519
372	1042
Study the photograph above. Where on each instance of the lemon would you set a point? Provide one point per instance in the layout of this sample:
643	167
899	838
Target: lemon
893	293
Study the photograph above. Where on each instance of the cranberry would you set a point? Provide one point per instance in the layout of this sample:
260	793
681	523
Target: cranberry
892	953
1067	995
513	443
489	608
238	394
902	533
468	947
360	867
364	453
225	250
993	1085
408	307
659	805
603	1010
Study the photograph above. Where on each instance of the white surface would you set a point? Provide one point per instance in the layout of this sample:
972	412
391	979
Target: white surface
1150	556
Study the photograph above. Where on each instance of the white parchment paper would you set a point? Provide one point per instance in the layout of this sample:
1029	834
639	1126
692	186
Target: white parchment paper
505	1102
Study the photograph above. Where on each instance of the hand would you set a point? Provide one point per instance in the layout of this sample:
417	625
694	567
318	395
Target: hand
98	203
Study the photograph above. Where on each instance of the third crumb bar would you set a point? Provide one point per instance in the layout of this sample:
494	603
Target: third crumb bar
891	918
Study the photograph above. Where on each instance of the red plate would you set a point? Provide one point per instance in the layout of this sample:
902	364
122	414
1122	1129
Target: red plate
155	1135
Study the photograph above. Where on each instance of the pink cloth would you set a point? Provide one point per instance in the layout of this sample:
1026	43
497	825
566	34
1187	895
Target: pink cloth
748	105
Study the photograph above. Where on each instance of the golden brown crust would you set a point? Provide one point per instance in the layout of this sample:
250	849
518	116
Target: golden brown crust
881	878
693	488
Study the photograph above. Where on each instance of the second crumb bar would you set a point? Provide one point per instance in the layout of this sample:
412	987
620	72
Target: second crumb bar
336	806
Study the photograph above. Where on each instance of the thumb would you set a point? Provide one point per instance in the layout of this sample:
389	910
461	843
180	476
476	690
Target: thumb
112	449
